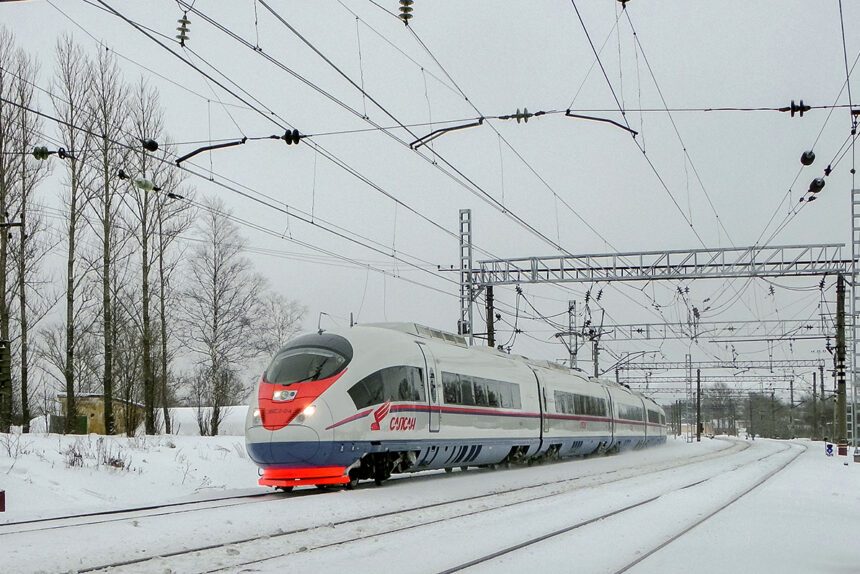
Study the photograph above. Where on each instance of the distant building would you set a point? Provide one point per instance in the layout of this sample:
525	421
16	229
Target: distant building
91	414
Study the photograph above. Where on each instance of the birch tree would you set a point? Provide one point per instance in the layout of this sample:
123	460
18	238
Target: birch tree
222	309
108	111
146	123
71	92
29	253
10	159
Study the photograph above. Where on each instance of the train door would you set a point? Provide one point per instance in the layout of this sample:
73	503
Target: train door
433	387
541	397
611	415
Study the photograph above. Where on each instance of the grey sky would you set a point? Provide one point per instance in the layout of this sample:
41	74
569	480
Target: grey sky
505	56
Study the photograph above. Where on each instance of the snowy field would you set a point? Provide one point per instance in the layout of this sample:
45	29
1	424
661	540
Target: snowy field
667	509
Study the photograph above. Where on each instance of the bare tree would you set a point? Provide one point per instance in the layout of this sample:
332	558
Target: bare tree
71	89
146	123
281	320
174	215
28	254
222	308
10	160
108	110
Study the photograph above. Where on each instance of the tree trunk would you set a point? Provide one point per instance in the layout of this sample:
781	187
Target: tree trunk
148	382
163	315
107	316
69	371
22	299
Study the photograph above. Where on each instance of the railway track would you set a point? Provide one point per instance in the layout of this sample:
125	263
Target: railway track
320	537
620	511
114	515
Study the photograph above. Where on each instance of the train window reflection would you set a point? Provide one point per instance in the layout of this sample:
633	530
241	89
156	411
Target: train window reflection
400	383
298	365
576	404
630	413
477	391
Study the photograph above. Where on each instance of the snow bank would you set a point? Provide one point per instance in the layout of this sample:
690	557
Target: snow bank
50	474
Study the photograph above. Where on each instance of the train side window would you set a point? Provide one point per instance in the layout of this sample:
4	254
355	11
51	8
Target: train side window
368	391
560	402
516	396
451	388
480	392
467	396
400	383
403	383
506	395
493	394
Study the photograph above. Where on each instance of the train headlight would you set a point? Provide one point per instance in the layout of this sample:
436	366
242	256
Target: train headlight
256	414
309	410
282	396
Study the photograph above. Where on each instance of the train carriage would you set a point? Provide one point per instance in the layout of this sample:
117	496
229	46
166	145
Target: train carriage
340	406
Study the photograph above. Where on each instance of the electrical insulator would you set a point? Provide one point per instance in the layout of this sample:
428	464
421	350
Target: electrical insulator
149	145
144	184
291	137
405	11
183	30
41	153
798	108
807	157
816	185
524	115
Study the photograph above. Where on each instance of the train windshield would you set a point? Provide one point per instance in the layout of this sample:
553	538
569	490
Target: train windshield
302	365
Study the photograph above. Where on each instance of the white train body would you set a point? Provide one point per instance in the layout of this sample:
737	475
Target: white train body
363	402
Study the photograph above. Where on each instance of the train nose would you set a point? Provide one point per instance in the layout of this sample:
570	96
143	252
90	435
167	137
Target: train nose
295	445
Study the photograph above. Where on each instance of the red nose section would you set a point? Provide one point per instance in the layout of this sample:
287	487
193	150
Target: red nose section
278	414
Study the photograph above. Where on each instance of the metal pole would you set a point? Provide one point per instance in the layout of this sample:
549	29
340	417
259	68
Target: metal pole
698	405
814	407
841	426
791	409
572	339
751	430
464	326
491	328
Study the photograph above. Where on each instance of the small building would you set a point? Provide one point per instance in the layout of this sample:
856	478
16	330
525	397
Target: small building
91	413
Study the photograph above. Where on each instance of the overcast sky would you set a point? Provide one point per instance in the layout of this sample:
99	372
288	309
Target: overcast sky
727	174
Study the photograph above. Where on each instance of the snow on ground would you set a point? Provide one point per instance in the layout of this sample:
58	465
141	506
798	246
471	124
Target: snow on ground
51	475
805	519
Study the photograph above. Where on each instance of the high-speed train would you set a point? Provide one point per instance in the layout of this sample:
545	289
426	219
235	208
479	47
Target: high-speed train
340	406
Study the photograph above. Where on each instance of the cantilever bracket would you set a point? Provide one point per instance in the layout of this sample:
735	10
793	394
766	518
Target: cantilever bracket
568	114
210	148
435	134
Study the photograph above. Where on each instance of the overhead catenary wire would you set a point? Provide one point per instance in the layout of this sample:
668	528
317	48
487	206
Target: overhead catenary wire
270	114
275	207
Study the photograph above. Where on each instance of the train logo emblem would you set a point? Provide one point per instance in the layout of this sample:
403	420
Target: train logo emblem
380	414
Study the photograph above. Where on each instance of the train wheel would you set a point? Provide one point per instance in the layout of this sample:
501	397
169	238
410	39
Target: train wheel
464	468
448	470
322	486
284	488
353	481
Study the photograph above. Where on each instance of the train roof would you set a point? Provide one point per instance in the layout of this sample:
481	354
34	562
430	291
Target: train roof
417	330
